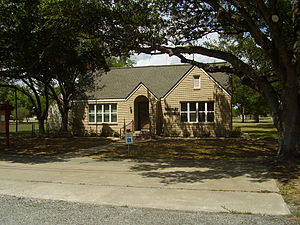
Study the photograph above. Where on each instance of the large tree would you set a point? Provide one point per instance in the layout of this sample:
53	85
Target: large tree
274	28
48	47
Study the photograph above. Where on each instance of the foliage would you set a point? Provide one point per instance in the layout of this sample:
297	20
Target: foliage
263	50
247	100
53	47
235	132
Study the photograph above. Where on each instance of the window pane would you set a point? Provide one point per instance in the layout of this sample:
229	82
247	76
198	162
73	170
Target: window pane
183	106
201	106
106	117
201	117
192	117
192	106
106	108
183	117
113	117
91	118
91	109
210	117
99	118
210	106
99	109
196	82
114	108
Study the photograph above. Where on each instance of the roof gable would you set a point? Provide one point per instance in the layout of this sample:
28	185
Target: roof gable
119	83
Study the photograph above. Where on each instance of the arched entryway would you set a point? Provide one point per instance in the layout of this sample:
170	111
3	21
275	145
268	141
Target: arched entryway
141	113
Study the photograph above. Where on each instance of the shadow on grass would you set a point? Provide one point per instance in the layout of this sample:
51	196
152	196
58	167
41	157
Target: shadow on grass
172	149
35	150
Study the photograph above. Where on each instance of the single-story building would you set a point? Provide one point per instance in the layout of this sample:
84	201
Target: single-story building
173	100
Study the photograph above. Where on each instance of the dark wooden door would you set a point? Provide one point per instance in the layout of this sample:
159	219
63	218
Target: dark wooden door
143	115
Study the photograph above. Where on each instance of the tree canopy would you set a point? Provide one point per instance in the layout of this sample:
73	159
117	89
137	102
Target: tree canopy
271	27
48	40
50	49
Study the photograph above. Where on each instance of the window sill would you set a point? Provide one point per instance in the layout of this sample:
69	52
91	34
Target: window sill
197	88
103	123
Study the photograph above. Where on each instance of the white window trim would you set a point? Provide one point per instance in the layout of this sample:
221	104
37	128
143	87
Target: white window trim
102	113
197	113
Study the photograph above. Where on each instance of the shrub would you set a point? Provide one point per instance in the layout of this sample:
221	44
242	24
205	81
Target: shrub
186	133
235	132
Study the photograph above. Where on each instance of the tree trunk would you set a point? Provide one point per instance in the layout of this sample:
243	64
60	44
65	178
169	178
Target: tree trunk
289	141
243	114
256	118
64	119
289	123
41	125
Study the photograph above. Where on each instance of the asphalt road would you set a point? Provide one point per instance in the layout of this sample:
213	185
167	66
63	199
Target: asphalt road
15	211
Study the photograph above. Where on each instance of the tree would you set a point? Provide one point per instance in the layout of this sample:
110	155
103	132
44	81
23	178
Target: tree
48	46
12	96
274	28
248	101
21	51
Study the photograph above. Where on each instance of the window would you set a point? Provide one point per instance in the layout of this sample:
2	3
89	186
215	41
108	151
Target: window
197	82
195	112
103	113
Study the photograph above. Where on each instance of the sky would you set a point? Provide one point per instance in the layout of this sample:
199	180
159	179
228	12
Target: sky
164	59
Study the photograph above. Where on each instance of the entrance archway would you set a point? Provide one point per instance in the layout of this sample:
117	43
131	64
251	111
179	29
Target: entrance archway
141	113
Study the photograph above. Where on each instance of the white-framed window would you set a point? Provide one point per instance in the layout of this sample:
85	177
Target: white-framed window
197	112
197	82
103	113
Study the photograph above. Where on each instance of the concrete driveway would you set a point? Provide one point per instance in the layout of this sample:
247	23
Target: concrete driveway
204	185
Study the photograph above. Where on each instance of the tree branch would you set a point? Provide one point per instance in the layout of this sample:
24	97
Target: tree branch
246	73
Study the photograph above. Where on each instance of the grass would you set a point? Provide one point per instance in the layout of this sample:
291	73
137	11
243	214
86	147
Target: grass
258	130
49	146
214	148
23	127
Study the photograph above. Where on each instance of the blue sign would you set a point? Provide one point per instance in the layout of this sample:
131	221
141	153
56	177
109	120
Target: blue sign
129	138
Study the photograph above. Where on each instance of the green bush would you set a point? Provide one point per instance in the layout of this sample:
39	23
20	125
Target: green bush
235	132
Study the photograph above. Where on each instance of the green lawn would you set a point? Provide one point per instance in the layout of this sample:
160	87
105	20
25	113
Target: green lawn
23	127
264	130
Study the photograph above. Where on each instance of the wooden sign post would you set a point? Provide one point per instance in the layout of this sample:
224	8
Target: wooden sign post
5	110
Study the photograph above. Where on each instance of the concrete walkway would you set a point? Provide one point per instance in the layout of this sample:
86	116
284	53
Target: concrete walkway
202	185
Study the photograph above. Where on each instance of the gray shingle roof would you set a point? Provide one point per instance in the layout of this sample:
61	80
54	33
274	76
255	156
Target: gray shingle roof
118	83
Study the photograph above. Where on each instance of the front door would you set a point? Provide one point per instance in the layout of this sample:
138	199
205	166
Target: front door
143	116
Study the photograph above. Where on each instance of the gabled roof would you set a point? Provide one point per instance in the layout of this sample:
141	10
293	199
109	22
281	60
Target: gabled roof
118	83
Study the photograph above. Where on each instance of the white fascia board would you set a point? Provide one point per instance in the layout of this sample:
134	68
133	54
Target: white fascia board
141	85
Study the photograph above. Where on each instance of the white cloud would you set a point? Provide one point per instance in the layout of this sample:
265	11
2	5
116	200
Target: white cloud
164	59
148	60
